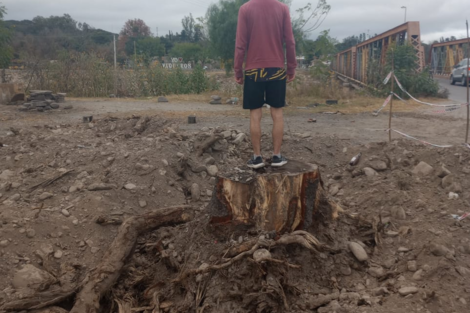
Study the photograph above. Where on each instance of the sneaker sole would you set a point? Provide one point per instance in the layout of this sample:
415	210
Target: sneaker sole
257	166
279	164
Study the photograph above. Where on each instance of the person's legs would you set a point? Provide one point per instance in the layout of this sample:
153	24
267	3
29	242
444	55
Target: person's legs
255	130
278	129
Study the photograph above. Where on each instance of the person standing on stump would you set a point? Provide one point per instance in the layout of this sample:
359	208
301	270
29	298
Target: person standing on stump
264	26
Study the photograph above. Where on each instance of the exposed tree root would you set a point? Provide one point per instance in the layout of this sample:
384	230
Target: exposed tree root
206	144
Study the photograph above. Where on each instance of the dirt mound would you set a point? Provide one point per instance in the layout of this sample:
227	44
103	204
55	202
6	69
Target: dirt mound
395	248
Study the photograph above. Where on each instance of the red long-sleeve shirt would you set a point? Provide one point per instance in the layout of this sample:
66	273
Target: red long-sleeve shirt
263	28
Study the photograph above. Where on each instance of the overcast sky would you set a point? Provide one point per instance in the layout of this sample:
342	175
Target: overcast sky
347	17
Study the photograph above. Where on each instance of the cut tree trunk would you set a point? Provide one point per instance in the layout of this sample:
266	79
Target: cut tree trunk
272	199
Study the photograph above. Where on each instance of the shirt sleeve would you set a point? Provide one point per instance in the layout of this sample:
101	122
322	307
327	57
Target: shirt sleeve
290	43
241	43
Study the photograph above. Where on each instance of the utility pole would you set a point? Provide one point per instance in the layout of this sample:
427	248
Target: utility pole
115	66
403	7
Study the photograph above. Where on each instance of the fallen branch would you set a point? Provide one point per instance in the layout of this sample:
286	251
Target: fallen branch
206	144
40	301
50	180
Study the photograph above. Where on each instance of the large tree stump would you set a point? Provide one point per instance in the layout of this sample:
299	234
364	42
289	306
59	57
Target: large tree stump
273	199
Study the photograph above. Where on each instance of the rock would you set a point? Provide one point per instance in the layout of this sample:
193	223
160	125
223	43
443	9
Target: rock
226	134
381	291
455	188
447	181
165	162
422	169
334	189
4	243
378	165
404	291
30	233
369	172
345	270
47	248
101	186
65	212
209	161
213	179
58	254
77	186
376	271
6	175
261	255
54	105
195	192
240	138
15	197
142	203
439	250
68	107
398	213
453	196
358	251
215	97
45	195
463	271
162	99
418	275
32	277
412	266
212	170
209	193
130	186
443	172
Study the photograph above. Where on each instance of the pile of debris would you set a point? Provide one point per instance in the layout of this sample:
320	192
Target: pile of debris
43	100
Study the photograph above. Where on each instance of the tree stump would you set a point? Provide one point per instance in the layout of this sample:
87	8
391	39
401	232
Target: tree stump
281	199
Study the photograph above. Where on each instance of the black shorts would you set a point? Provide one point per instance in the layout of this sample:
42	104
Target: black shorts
256	94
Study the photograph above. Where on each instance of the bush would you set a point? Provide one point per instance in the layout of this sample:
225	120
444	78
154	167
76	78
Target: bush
85	75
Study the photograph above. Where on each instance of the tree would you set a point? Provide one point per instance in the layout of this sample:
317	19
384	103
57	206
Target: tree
149	47
6	51
135	28
188	51
348	42
188	24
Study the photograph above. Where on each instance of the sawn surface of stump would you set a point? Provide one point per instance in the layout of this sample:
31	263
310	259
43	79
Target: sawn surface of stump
272	199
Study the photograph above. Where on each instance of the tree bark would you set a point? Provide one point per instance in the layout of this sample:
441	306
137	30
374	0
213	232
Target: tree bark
274	199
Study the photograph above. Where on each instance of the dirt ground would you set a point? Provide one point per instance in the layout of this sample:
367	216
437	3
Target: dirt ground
123	164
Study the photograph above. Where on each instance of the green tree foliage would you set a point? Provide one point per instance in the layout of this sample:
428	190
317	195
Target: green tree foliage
6	51
222	21
418	84
348	42
146	47
188	51
324	49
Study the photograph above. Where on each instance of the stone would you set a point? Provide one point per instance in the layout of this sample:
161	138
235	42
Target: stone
47	248
209	193
443	172
209	161
422	169
45	196
6	175
378	165
380	291
439	250
4	243
334	189
226	134
345	270
94	250
412	266
30	233
130	186
376	271
165	162
58	254
404	291
212	181
358	251
195	192
463	271
447	181
31	277
369	172
455	188
68	107
398	213
212	170
453	196
261	255
418	275
162	99
15	197
240	138
54	106
142	203
65	212
216	97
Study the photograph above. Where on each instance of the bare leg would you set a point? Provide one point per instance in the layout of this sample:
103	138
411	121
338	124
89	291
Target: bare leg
278	129
255	130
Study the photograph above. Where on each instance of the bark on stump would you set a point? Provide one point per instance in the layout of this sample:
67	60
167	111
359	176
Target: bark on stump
273	199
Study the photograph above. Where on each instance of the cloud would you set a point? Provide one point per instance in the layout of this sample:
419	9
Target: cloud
437	18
